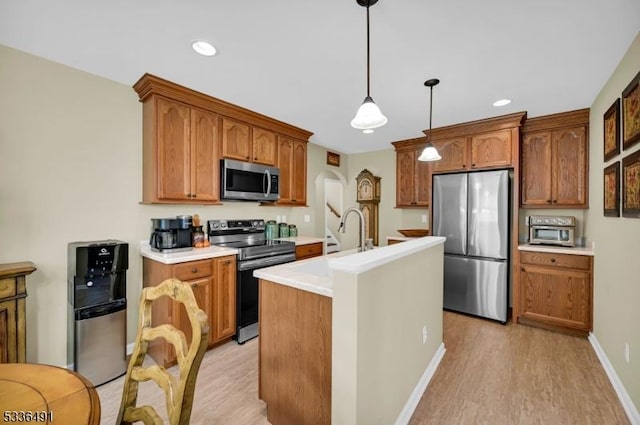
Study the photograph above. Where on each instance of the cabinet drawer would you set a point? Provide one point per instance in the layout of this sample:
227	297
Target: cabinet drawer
309	250
193	270
581	262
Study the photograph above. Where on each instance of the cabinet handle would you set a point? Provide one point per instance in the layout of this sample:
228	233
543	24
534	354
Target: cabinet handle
464	166
555	201
553	260
194	270
548	201
255	158
522	269
194	285
473	165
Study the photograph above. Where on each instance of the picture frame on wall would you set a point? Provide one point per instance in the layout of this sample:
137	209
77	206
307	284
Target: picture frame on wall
631	185
631	113
612	131
612	190
333	159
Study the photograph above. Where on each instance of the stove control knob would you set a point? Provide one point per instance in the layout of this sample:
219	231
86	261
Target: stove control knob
254	223
215	225
261	223
223	224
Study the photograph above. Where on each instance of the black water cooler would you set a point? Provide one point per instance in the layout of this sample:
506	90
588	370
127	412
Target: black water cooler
97	309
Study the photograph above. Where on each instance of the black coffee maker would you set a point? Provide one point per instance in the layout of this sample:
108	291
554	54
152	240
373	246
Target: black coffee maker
171	234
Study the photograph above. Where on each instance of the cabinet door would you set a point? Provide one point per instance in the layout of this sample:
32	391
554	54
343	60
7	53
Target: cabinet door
536	169
285	164
491	149
174	142
557	297
264	144
224	299
299	176
202	291
453	153
569	172
8	332
205	175
405	178
422	182
235	140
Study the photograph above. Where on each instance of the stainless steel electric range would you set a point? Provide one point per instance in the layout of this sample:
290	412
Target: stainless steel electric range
254	252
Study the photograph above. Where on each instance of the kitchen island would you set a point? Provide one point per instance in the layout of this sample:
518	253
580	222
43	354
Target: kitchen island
351	338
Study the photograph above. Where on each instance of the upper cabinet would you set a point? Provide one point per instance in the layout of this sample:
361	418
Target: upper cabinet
554	164
186	133
485	144
292	162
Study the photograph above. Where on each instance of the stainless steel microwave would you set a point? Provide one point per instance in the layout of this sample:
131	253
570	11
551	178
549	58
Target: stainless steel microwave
552	230
246	181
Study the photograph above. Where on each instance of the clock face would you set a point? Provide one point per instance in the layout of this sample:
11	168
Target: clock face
365	190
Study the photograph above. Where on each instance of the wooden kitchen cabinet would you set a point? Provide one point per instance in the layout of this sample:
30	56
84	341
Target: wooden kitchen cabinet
13	316
454	153
413	177
308	250
186	133
180	155
213	282
292	162
554	165
477	151
556	291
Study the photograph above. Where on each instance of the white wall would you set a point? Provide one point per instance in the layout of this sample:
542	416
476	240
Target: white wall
71	170
617	244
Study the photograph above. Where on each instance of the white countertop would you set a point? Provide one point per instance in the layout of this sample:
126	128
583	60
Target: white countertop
588	249
302	240
401	238
183	257
315	274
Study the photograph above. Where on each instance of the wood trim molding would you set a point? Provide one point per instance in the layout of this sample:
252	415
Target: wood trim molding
149	85
409	144
553	121
9	270
502	122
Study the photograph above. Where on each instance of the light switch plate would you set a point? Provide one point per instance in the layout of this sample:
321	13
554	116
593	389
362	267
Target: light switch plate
307	218
423	218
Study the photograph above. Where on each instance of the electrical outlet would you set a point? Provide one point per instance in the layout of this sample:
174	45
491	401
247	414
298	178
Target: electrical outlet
284	218
626	352
424	334
278	219
307	218
423	218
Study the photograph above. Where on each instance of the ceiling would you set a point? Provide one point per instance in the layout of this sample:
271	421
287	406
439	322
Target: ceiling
304	62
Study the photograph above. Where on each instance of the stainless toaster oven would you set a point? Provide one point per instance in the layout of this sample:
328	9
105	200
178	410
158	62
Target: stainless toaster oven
552	230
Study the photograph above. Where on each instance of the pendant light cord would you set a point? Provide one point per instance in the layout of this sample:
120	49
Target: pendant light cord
430	110
368	54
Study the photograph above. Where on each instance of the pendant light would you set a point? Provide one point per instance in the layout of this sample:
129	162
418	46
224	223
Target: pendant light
430	153
368	116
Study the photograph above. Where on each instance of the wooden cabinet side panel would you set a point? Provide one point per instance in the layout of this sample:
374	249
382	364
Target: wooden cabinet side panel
174	140
536	169
235	140
7	331
205	167
570	166
295	355
264	145
423	182
554	296
491	149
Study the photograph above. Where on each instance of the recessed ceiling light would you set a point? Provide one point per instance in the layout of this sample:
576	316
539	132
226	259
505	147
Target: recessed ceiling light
502	102
203	48
368	131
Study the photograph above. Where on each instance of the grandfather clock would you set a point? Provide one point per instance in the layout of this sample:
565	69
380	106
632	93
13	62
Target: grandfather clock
368	196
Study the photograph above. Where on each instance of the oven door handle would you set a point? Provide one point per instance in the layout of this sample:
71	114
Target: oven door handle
265	262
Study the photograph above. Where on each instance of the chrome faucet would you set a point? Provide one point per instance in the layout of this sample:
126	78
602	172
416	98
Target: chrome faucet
342	228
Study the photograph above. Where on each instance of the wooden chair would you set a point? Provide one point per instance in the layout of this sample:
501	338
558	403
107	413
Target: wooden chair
178	392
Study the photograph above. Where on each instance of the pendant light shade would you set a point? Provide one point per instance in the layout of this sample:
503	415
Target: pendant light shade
430	153
368	116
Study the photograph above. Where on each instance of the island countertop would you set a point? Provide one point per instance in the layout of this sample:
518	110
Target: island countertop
315	274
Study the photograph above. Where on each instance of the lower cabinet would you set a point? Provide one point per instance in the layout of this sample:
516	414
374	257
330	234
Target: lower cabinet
13	295
308	250
214	286
556	291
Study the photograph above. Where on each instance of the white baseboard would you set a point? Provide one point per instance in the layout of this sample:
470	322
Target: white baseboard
418	391
623	395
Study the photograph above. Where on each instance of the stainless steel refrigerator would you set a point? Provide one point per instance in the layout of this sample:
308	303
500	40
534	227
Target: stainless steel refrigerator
472	210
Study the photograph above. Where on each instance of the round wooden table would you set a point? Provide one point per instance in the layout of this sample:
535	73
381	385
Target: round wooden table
46	394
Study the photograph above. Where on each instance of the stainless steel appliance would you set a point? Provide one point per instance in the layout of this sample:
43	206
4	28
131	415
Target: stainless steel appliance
97	309
171	234
472	210
246	181
254	252
552	230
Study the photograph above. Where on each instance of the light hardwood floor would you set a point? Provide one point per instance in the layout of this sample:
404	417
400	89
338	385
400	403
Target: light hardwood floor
491	374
